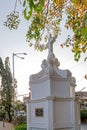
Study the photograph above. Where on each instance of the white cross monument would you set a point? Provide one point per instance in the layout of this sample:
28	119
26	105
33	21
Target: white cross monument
52	105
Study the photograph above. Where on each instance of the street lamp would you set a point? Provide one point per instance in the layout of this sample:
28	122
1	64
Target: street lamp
13	56
16	55
14	87
82	89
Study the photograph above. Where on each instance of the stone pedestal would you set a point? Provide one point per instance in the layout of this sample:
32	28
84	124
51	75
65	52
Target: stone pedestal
52	105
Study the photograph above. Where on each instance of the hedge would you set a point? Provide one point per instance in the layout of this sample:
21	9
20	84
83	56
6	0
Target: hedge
83	114
20	127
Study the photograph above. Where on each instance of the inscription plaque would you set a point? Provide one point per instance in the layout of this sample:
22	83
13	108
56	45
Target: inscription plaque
39	112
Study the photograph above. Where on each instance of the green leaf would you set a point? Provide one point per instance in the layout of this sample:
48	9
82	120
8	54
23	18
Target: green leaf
24	3
85	19
31	4
85	16
84	33
27	15
77	56
39	6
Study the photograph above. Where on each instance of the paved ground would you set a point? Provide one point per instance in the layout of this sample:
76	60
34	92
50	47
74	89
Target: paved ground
6	126
84	126
9	126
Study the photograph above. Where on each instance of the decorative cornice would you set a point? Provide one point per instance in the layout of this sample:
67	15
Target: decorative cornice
62	99
50	98
55	78
37	100
48	77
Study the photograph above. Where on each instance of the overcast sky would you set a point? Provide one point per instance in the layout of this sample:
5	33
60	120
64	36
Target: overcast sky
15	42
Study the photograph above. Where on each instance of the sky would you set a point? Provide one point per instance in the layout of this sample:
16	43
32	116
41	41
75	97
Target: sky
14	41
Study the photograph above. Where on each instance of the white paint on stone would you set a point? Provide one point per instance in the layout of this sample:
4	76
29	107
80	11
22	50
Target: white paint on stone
53	91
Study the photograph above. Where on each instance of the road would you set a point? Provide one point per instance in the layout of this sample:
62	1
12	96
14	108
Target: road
6	126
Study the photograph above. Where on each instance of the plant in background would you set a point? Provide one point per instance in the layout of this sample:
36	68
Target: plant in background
20	127
77	21
6	89
83	114
12	20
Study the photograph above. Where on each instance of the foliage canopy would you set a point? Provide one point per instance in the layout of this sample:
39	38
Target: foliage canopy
45	17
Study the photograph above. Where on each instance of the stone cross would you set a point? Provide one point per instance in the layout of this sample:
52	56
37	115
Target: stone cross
51	40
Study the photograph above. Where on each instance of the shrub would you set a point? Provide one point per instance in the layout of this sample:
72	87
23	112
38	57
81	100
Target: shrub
20	127
83	114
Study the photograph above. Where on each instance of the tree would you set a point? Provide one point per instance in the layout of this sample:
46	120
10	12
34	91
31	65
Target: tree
7	90
20	106
45	17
